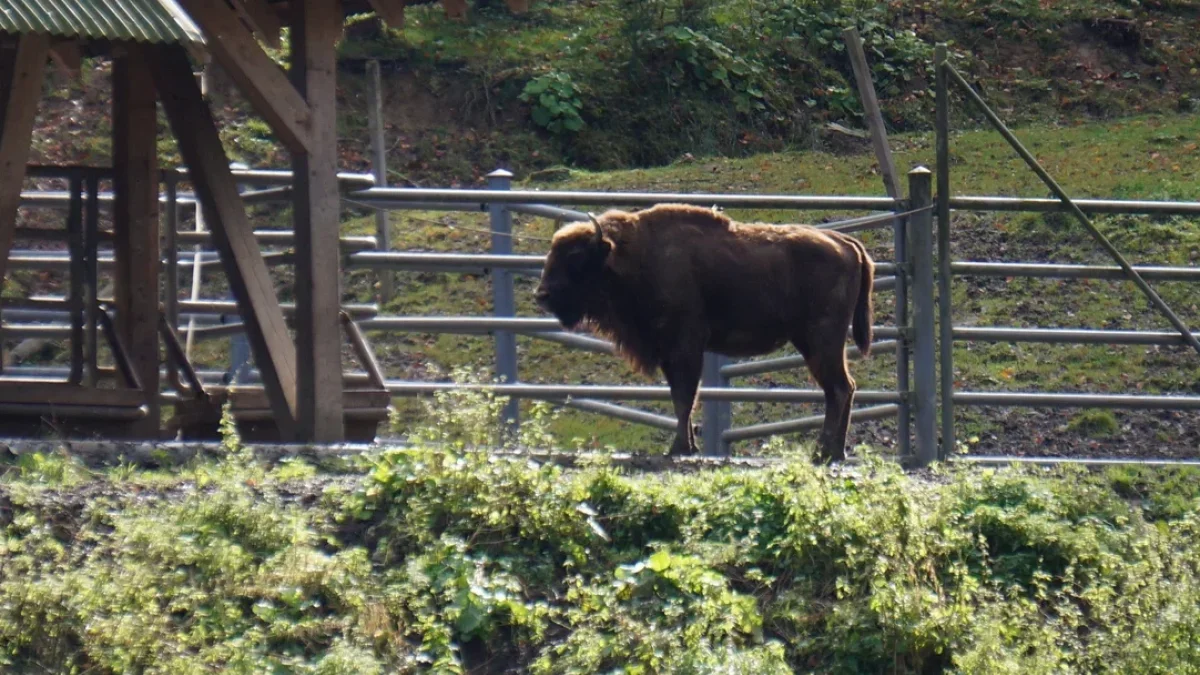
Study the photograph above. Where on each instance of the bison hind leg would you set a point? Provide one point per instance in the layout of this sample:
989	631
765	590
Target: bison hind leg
825	355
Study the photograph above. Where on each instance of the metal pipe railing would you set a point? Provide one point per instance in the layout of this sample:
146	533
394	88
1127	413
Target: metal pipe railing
747	368
1121	401
553	392
805	423
1071	206
477	325
181	174
1055	271
1111	206
360	253
399	197
1067	336
624	413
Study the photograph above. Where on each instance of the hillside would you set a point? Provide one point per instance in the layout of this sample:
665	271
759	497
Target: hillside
1101	91
418	561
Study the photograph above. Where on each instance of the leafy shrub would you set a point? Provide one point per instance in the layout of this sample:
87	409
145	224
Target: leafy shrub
556	102
812	31
694	57
444	557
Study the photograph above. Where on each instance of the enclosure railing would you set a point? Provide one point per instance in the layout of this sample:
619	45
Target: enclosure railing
716	430
922	339
500	202
948	268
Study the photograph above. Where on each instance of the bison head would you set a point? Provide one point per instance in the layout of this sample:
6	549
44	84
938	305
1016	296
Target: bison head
573	271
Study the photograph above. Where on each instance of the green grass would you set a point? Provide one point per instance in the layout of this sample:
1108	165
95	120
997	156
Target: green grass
1144	158
650	94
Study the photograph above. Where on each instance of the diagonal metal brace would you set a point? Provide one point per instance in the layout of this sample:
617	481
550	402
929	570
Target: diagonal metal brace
1137	279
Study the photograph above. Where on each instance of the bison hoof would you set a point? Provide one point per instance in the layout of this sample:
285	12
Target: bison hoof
681	448
831	457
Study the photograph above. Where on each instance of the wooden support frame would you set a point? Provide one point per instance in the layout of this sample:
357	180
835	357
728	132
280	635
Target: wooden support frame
258	77
200	145
68	57
136	222
455	9
317	24
391	11
21	79
262	19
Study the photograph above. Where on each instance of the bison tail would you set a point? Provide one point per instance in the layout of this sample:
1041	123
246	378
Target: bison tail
864	311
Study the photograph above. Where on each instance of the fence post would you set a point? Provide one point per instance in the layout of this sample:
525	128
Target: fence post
379	169
239	343
504	303
945	315
920	250
717	414
903	339
171	273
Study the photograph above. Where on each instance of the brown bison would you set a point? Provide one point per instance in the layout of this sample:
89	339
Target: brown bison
670	282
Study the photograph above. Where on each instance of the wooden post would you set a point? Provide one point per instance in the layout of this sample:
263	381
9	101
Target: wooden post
379	168
20	93
200	145
258	78
866	91
316	26
135	222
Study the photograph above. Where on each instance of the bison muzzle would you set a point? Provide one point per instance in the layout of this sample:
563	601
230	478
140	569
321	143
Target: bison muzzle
671	282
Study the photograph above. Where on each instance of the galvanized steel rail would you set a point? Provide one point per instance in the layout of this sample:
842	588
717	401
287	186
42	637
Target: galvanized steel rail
914	244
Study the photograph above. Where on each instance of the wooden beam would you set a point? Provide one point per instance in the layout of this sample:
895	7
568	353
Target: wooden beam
22	91
200	146
317	24
259	78
517	6
391	11
68	57
62	393
866	92
135	222
455	9
262	19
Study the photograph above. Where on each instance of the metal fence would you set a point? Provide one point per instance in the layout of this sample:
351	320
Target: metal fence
716	392
948	77
920	276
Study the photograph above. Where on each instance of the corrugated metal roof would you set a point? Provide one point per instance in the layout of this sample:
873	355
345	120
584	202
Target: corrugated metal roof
160	21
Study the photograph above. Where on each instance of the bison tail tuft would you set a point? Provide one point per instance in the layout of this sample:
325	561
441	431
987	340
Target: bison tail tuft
864	311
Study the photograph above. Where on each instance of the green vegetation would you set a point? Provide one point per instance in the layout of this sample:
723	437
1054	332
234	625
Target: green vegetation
1094	423
448	561
657	79
1143	157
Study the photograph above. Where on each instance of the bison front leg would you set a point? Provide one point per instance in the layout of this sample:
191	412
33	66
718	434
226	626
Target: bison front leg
683	377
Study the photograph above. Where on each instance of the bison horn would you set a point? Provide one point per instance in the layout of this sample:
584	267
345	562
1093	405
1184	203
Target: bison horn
596	224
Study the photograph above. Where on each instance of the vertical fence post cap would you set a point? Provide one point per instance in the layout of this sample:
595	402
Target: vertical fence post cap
500	173
920	171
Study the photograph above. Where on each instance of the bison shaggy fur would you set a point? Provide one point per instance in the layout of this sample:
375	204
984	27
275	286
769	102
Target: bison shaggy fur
668	283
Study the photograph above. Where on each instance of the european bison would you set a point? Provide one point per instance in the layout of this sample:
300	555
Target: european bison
670	282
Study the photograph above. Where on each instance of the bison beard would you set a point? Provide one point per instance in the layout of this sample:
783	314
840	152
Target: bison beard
671	282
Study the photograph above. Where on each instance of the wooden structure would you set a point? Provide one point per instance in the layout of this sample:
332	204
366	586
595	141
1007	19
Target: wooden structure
152	44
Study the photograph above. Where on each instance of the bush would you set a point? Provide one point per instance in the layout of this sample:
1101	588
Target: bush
555	102
443	557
